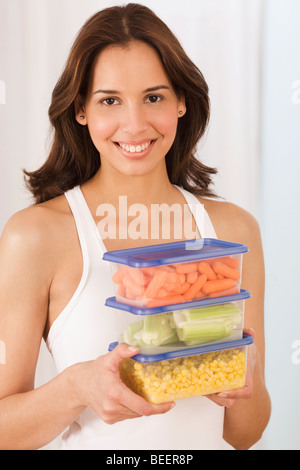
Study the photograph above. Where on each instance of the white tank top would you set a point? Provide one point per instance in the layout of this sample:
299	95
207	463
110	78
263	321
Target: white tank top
84	330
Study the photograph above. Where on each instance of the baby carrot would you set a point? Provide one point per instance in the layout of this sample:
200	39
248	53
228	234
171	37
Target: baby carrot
118	275
218	285
134	288
196	287
171	280
199	295
155	284
186	267
180	278
121	290
233	290
149	271
137	275
225	270
191	277
162	293
204	268
231	262
180	288
174	299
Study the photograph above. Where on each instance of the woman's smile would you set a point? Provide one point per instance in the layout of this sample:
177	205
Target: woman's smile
135	149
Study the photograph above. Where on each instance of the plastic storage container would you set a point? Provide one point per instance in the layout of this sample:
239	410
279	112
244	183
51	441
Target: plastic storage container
183	374
169	328
171	273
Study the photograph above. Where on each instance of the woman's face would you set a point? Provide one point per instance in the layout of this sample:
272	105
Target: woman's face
131	110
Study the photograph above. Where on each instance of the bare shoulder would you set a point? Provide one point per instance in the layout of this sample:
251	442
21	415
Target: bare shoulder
232	222
235	224
35	229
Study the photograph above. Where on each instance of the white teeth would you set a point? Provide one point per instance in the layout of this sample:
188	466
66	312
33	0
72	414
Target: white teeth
133	149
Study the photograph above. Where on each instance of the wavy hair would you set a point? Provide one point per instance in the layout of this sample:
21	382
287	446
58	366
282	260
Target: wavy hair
73	158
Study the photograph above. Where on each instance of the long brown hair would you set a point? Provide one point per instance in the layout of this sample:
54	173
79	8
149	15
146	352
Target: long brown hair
73	158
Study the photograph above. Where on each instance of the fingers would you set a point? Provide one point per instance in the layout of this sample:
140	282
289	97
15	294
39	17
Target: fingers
249	331
226	402
121	403
114	358
116	401
140	406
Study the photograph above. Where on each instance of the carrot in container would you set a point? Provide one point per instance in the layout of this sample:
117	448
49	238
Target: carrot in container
121	290
174	299
170	269
162	293
225	270
186	267
218	285
204	268
118	275
191	277
180	288
231	262
196	287
132	286
181	278
220	293
137	275
155	284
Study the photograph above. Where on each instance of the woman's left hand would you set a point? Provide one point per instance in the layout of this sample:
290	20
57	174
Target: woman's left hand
229	398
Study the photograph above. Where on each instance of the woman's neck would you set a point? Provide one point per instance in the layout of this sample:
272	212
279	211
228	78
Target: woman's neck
148	189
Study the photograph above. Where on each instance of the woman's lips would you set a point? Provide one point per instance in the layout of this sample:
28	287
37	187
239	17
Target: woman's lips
135	149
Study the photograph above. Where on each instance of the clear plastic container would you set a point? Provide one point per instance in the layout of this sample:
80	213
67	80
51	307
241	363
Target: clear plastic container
184	374
171	273
162	329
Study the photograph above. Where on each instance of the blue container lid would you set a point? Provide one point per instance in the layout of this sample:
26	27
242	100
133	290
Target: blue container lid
145	358
175	252
112	302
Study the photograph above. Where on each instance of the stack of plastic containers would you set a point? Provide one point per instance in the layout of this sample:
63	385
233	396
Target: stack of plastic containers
181	305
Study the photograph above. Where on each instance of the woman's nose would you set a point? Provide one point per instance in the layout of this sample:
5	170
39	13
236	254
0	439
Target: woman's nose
135	121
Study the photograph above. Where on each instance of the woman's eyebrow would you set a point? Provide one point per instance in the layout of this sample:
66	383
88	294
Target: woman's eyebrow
155	88
148	90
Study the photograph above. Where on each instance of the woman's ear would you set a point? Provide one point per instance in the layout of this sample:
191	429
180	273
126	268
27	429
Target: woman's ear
80	115
181	106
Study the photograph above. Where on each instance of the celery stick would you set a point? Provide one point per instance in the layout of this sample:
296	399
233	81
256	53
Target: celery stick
153	330
157	330
206	324
203	313
129	335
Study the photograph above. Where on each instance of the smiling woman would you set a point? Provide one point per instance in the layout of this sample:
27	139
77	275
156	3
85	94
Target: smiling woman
74	157
127	113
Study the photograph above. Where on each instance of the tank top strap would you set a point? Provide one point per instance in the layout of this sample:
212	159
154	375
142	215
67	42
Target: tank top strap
88	233
203	221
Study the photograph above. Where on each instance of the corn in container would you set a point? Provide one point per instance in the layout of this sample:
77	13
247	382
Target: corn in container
180	326
188	373
172	273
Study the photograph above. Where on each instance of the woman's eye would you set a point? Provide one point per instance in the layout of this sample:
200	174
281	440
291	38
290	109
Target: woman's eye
154	98
109	101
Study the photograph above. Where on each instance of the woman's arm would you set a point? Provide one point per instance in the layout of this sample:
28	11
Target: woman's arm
247	411
30	418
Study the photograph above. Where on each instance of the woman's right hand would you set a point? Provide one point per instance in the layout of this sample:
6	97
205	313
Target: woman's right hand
98	385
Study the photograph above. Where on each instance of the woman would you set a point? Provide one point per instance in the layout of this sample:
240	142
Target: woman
127	113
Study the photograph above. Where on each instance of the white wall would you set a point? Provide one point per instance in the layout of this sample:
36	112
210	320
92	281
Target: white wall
280	216
253	137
